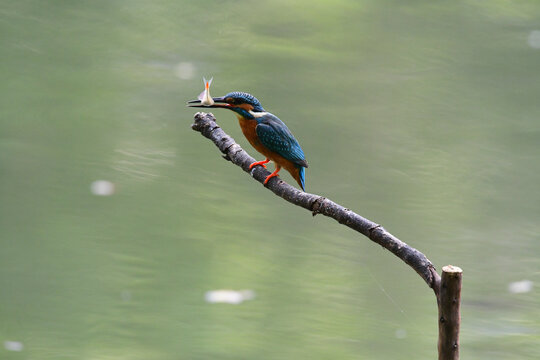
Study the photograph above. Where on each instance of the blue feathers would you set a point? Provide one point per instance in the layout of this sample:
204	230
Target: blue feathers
302	174
245	98
270	134
276	136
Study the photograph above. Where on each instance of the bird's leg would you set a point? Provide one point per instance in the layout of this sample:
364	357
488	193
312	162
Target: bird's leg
259	163
274	174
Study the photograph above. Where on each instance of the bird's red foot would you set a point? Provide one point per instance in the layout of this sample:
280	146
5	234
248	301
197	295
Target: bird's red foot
274	174
259	163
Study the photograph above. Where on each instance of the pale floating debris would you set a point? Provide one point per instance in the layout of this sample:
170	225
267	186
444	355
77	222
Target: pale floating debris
184	70
13	345
102	188
520	287
401	334
534	39
229	296
126	295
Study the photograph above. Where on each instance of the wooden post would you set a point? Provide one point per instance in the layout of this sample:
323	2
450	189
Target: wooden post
448	300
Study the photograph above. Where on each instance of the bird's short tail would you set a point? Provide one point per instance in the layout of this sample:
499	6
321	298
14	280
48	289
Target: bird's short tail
302	177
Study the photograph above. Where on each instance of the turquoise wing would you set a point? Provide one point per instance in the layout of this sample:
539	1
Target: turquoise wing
274	134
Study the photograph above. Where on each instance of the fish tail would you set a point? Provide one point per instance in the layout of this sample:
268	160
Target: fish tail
207	83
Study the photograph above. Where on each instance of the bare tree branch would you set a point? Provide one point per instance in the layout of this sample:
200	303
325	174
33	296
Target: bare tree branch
205	124
447	290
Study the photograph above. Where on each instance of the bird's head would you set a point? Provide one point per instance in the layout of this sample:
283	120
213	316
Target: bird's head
242	103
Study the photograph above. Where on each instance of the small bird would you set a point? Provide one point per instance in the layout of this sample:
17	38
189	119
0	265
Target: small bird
265	132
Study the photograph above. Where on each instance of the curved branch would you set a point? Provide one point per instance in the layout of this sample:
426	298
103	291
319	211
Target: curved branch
205	124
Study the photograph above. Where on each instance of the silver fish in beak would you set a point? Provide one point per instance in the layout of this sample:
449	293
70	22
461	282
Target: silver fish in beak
206	101
205	97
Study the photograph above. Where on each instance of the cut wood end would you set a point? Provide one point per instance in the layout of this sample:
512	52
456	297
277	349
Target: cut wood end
451	269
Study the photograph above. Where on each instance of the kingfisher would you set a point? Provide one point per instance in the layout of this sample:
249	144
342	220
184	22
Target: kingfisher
265	132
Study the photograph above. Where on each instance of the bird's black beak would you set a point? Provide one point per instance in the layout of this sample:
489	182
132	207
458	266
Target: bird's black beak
219	102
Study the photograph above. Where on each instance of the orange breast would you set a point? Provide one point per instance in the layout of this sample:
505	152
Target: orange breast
248	128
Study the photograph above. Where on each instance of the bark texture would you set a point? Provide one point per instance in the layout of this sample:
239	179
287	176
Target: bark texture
449	300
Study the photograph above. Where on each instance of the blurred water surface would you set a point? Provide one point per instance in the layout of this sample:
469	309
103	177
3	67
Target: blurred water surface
126	236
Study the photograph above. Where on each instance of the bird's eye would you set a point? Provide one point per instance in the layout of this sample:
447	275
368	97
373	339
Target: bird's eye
231	100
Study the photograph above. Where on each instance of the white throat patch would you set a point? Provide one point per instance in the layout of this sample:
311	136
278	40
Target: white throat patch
257	114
